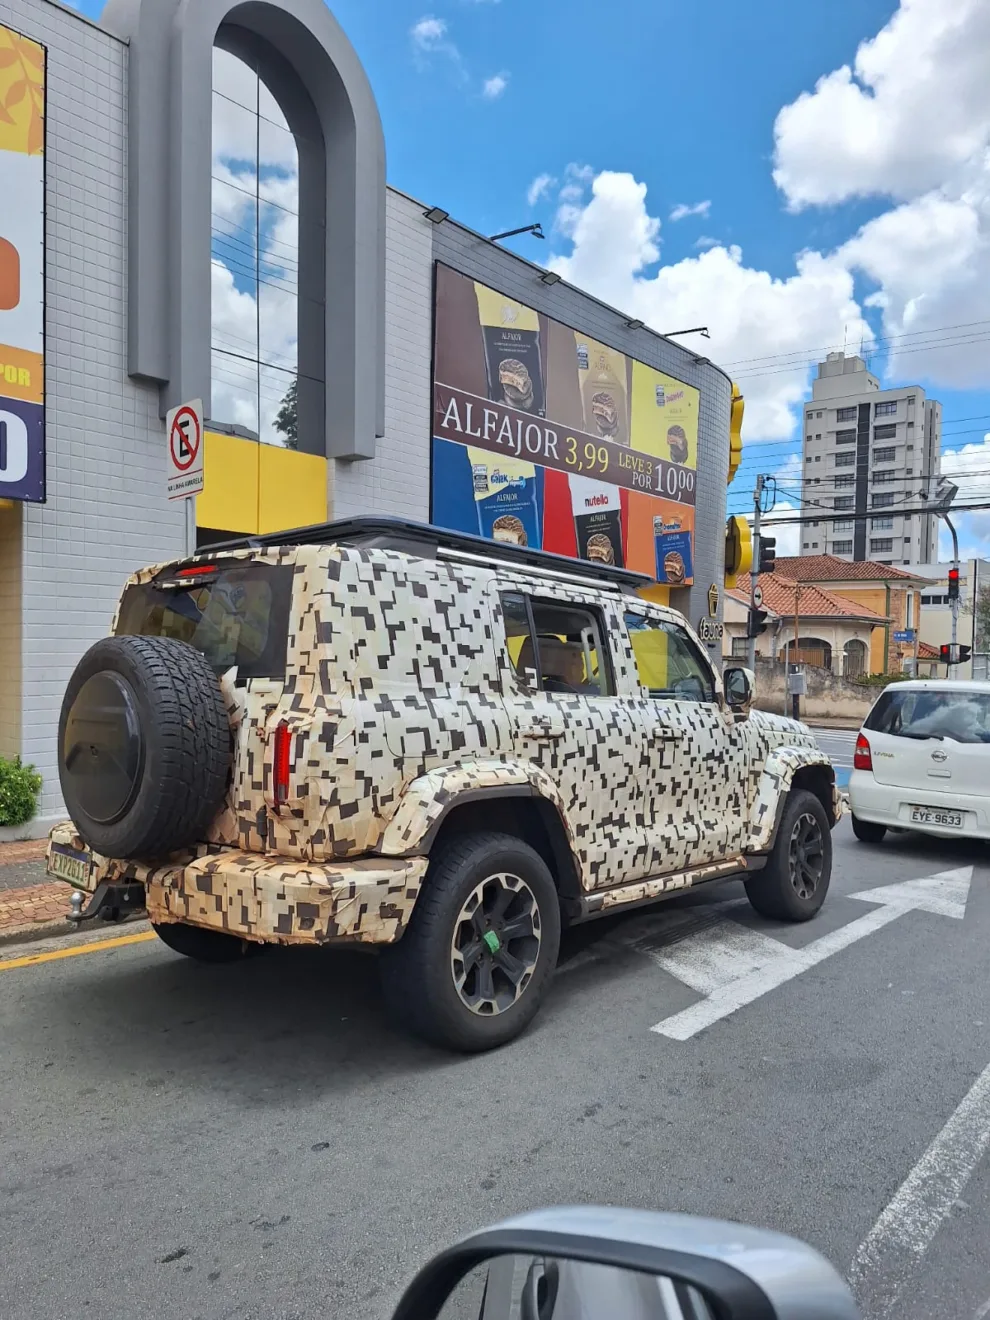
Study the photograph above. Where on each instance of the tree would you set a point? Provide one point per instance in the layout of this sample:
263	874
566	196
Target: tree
287	417
983	620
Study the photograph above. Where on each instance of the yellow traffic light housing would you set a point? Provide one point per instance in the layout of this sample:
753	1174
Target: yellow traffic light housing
738	550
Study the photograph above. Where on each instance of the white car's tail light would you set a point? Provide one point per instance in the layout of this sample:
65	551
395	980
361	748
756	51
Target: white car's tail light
862	757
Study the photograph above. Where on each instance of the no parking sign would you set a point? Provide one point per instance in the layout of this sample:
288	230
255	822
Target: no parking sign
184	450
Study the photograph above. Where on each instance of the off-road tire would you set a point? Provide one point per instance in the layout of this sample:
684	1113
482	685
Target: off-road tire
775	891
418	983
178	745
205	946
867	832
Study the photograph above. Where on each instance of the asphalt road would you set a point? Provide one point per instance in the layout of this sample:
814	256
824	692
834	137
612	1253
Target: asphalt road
256	1141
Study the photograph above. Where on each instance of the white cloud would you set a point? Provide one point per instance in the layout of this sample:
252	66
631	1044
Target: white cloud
969	468
539	188
429	33
915	105
750	314
682	210
704	242
493	87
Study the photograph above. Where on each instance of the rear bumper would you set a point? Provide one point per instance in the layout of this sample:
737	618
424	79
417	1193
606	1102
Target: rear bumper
272	901
883	804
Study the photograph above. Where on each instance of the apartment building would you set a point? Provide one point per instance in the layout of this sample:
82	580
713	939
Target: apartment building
870	458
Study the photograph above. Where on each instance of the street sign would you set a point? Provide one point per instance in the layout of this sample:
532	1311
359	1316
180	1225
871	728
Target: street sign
758	597
184	450
905	635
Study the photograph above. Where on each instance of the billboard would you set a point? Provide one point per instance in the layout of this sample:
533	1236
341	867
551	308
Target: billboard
544	437
22	267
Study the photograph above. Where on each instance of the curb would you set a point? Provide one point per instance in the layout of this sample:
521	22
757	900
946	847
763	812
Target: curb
59	930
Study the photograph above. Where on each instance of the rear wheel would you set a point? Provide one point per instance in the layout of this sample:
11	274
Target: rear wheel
207	946
471	969
795	880
867	832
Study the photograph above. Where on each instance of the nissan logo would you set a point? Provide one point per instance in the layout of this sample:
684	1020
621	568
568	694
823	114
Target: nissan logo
939	755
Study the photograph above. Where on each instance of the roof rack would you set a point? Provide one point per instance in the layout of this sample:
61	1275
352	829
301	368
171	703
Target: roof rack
373	533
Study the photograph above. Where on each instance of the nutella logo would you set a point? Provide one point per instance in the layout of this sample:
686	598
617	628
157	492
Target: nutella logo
595	501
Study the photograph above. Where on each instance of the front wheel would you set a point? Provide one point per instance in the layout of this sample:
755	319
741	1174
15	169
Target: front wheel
207	946
481	946
867	832
793	884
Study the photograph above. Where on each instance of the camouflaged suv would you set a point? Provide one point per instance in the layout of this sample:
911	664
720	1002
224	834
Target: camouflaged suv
380	733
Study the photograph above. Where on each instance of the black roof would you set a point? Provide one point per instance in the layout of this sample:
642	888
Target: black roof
373	533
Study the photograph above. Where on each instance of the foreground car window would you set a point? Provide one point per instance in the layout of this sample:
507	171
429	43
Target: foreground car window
962	716
668	662
239	617
556	647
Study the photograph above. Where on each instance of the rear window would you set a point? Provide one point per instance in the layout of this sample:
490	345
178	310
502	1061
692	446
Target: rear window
921	713
239	616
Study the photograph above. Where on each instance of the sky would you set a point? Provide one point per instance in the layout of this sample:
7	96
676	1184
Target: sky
798	178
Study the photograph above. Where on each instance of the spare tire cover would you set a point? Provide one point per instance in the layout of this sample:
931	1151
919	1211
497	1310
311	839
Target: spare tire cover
144	747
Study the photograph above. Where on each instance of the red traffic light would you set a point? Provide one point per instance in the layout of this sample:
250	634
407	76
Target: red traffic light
953	584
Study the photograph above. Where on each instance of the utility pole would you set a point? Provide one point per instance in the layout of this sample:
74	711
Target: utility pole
754	573
795	698
955	593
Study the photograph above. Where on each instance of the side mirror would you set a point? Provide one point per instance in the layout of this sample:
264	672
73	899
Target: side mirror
739	685
626	1265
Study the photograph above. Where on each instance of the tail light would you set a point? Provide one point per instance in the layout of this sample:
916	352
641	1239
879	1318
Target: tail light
283	745
862	757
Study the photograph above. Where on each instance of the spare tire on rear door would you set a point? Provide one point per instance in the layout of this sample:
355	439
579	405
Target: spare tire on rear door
143	746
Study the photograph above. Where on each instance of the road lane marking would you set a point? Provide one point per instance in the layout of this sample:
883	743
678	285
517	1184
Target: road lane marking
899	1239
97	946
749	969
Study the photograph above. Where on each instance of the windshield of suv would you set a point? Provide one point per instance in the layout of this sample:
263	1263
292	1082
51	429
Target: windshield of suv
961	716
236	616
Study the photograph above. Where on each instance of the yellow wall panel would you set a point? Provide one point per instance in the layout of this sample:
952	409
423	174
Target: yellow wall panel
229	502
292	489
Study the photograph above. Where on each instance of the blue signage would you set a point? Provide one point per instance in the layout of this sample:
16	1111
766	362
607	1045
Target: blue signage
905	635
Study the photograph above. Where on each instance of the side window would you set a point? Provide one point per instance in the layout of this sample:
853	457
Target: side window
668	662
556	648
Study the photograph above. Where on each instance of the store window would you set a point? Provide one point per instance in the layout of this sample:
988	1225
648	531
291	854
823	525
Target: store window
255	259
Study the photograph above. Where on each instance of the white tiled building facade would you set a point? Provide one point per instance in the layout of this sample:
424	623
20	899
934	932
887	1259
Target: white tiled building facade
869	457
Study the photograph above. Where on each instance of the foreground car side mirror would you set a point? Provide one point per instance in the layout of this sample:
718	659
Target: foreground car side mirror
581	1263
739	685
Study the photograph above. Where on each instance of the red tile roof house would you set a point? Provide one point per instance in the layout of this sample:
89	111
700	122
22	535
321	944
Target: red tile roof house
833	633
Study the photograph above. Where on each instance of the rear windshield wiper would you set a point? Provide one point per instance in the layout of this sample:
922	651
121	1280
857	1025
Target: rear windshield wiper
923	737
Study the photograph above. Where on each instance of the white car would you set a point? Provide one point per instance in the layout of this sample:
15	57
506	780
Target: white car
922	762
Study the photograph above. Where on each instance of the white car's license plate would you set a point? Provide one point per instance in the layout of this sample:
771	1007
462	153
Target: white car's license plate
68	864
931	816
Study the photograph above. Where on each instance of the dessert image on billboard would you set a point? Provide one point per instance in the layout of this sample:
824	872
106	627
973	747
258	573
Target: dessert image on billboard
505	498
513	357
673	552
604	390
665	424
597	513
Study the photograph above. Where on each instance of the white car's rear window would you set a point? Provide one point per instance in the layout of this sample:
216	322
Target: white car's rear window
922	713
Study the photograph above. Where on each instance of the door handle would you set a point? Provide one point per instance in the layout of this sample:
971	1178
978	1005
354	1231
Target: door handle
662	733
543	727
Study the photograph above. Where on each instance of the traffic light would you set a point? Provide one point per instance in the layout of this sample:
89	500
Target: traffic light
757	623
954	654
953	584
768	554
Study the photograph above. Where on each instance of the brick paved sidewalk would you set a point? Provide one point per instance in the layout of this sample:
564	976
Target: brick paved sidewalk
28	897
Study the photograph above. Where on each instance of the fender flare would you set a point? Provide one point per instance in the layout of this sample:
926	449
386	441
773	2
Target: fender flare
428	800
776	781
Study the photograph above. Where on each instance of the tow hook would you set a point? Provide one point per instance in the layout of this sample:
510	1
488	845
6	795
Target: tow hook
111	902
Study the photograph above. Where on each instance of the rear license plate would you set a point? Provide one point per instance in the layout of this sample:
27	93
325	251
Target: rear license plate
929	816
68	864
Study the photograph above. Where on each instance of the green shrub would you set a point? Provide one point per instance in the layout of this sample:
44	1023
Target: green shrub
19	789
881	680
